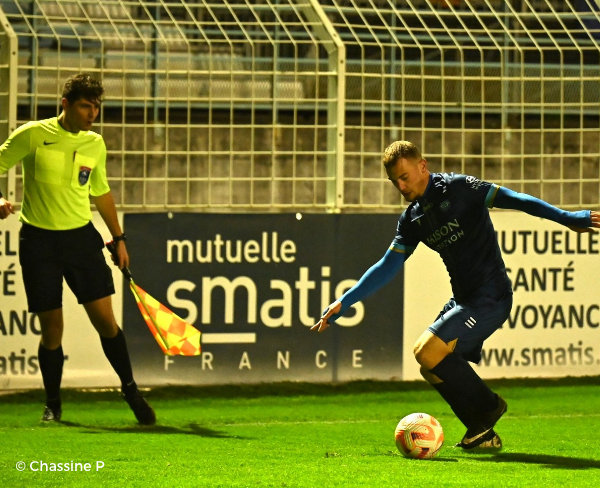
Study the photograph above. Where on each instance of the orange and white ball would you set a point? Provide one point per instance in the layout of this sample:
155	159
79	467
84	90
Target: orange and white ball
419	436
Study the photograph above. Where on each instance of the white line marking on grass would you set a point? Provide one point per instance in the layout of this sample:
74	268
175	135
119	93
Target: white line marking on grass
300	422
375	421
553	416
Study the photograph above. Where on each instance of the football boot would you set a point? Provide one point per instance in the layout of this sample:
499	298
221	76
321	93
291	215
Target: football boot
484	432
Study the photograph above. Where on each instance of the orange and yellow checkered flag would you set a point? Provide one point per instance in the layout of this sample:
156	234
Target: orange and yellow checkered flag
173	334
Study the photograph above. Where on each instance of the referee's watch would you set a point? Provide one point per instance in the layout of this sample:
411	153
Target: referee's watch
122	237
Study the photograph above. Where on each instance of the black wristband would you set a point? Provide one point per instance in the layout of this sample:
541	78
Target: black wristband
1	194
122	237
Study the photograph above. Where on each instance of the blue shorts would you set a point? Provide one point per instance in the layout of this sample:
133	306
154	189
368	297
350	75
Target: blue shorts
471	324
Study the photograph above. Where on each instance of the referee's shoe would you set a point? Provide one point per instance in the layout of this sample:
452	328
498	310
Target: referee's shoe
141	408
51	414
483	435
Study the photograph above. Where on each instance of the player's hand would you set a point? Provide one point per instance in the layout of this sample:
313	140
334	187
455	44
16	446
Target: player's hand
590	230
323	323
122	257
6	208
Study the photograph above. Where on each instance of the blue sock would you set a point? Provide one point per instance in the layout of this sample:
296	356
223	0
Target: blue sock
460	378
461	408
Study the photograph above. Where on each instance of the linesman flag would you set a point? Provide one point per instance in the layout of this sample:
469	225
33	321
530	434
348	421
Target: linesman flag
174	335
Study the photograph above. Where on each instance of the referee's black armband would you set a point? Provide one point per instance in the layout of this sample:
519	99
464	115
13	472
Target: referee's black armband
122	237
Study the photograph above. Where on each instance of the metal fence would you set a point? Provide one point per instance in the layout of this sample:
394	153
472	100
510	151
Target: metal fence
277	105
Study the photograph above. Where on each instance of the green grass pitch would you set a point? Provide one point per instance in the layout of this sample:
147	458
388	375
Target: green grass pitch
300	435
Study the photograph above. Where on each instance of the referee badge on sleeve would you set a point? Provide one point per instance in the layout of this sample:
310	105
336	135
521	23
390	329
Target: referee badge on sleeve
84	174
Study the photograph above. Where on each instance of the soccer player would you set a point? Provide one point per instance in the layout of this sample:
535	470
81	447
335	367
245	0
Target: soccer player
64	162
449	213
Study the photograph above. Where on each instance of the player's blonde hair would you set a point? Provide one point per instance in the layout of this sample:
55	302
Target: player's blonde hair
400	149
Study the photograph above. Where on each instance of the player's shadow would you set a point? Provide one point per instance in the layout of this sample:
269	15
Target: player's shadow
563	462
192	429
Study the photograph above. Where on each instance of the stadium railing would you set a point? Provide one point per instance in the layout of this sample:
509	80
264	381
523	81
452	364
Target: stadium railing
280	105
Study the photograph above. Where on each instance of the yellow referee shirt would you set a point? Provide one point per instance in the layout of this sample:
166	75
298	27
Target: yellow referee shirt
60	171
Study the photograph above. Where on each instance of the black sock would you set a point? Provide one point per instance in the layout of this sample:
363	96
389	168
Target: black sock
51	367
461	408
460	377
115	350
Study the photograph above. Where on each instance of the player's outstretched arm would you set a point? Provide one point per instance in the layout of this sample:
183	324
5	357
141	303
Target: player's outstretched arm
595	218
374	278
580	221
6	208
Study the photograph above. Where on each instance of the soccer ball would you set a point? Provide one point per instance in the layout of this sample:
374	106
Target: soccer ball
420	436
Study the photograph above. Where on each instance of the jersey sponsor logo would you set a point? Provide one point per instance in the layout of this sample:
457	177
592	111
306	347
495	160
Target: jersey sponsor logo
84	174
445	230
445	205
47	143
445	235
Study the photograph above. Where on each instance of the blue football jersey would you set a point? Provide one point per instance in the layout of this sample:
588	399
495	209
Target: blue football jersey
452	218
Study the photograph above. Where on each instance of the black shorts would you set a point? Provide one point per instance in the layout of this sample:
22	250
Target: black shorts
48	256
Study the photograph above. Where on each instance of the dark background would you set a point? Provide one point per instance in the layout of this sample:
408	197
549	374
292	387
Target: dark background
348	244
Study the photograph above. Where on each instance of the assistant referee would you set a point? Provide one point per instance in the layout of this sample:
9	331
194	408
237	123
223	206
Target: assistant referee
64	162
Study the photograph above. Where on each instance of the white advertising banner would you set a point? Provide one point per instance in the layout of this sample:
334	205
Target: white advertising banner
85	365
554	326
